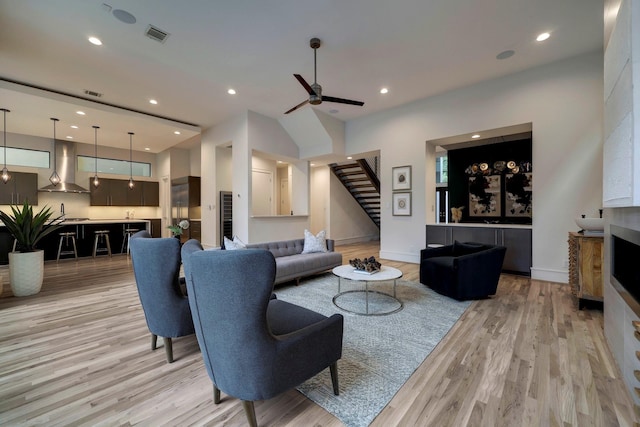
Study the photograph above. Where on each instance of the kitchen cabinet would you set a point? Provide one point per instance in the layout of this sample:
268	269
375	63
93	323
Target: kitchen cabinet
116	192
586	260
155	227
517	240
22	186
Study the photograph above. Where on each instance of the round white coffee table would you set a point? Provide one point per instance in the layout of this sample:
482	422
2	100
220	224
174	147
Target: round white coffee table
385	274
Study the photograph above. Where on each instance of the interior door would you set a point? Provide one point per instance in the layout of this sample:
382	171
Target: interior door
261	192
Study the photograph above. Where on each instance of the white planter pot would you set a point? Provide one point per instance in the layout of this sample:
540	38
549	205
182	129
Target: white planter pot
26	272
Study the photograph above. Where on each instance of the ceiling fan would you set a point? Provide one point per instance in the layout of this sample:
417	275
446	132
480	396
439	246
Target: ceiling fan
315	90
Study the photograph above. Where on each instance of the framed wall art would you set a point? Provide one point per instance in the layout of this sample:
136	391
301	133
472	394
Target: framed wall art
485	196
402	204
401	178
518	195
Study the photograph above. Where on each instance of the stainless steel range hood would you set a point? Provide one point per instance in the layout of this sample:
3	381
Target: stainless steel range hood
66	168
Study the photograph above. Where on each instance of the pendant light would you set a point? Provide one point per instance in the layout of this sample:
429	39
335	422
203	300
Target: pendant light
6	176
131	183
54	178
96	181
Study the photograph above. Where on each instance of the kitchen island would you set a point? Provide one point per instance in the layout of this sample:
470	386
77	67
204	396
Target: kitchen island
84	229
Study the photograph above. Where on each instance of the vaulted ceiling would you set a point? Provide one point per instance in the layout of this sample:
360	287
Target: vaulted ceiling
415	48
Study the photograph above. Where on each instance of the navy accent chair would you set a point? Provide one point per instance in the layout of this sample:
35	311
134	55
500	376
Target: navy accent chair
254	346
463	270
156	267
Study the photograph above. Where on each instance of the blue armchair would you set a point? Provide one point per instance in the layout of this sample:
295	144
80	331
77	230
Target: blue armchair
463	270
156	267
254	346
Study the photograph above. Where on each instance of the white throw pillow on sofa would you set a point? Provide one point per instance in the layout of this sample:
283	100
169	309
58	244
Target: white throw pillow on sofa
317	243
234	244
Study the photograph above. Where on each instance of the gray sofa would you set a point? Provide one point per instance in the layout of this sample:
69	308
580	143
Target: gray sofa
292	264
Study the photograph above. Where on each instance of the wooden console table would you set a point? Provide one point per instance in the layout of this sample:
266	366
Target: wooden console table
586	260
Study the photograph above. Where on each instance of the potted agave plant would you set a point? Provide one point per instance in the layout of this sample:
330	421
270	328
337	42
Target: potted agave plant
26	263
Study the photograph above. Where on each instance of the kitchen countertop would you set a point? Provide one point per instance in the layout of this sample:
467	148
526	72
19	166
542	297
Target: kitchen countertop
83	221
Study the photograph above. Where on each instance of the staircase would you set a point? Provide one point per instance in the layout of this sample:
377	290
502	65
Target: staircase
361	179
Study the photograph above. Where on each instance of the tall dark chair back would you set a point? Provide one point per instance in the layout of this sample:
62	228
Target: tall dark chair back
254	347
156	266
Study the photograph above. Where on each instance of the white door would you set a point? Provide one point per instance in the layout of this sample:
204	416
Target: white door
285	204
261	192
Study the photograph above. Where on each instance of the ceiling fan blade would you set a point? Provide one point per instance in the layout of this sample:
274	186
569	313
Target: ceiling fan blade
298	106
342	100
304	84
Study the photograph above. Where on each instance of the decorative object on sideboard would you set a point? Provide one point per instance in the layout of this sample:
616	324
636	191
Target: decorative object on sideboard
6	176
456	214
369	265
26	266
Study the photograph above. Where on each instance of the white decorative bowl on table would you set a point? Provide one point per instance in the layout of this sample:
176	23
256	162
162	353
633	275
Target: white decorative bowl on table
591	224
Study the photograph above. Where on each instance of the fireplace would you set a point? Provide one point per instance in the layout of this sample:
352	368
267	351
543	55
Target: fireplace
625	259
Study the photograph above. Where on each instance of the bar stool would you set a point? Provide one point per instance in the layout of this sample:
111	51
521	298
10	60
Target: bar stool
64	237
128	232
101	236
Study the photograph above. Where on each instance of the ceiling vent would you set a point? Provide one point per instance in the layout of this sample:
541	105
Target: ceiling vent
92	93
156	34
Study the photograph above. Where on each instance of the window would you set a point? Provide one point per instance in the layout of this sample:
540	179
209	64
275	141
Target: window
442	166
25	157
112	166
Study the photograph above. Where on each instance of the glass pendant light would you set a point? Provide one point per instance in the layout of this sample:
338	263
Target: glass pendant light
5	175
54	178
96	181
131	183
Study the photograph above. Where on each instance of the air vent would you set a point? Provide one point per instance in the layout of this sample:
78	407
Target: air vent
156	34
92	93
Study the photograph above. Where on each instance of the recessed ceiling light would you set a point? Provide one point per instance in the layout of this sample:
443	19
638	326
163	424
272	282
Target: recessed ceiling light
81	113
231	91
153	101
177	132
349	158
312	164
384	90
95	40
147	149
505	54
74	127
69	137
476	136
542	37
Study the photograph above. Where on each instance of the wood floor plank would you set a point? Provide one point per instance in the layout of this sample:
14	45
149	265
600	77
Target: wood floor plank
79	354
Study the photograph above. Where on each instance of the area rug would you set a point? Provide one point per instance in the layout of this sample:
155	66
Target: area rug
379	352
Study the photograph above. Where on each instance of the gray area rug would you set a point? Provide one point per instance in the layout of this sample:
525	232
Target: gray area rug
379	352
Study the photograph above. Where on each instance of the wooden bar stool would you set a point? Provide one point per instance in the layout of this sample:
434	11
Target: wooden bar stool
64	238
101	236
128	232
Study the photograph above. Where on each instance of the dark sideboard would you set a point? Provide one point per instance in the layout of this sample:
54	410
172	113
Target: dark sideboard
517	239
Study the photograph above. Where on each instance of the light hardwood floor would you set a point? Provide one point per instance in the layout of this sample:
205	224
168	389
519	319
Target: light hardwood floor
79	353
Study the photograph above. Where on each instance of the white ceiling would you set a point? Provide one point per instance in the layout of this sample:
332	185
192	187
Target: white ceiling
416	48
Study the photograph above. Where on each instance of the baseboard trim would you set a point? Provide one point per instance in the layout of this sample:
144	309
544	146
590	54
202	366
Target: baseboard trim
411	257
359	239
550	275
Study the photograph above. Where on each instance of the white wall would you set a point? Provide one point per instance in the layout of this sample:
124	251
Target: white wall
319	192
232	132
563	100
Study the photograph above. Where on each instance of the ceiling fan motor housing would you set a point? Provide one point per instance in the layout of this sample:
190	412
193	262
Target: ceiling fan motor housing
317	98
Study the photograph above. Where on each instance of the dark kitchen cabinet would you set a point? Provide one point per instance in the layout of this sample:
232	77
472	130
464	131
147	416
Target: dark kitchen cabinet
22	186
116	192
